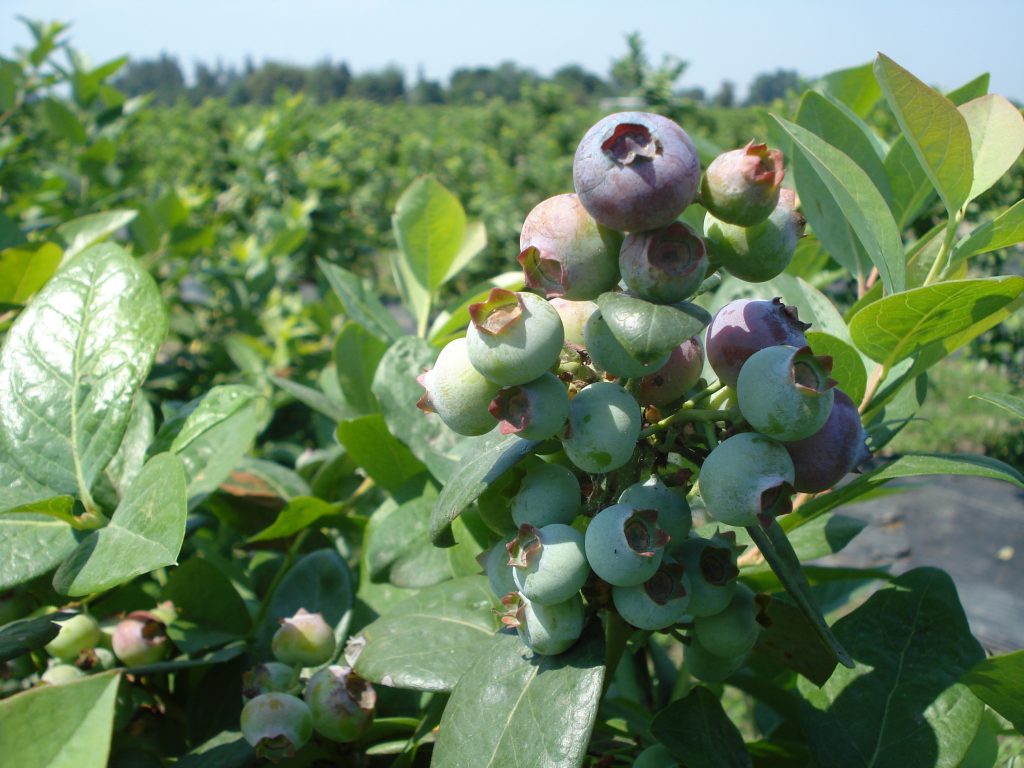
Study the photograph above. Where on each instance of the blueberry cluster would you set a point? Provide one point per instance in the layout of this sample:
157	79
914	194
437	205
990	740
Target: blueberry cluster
334	702
592	523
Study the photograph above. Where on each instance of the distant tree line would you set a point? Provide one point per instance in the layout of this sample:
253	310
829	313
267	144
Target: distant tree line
630	75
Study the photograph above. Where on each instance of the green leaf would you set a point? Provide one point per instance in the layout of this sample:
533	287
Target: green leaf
24	270
70	366
935	130
370	444
856	87
902	703
360	301
259	477
840	185
397	546
357	352
31	545
970	90
126	464
650	331
298	513
512	707
204	595
33	737
397	390
788	639
847	366
63	121
910	185
19	637
1011	403
427	641
314	399
1001	232
144	534
997	139
321	583
227	749
998	681
896	327
471	479
78	234
698	732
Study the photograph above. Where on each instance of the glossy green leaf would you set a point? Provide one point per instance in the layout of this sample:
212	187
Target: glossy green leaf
321	583
472	478
840	184
26	502
387	460
1001	232
360	301
650	331
298	513
512	707
1011	403
204	595
910	185
970	90
357	352
31	545
227	749
847	366
25	269
33	737
397	391
856	87
70	366
78	234
998	681
19	637
896	327
145	533
427	641
935	130
698	732
902	704
315	399
63	121
397	546
787	638
126	464
997	139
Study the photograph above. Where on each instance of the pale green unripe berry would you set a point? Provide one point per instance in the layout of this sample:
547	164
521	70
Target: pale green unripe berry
625	545
457	392
268	677
747	480
535	410
497	569
604	425
305	639
276	724
61	674
546	629
76	635
786	392
513	337
342	703
548	494
674	516
549	564
732	631
759	252
711	565
706	666
742	186
659	602
574	316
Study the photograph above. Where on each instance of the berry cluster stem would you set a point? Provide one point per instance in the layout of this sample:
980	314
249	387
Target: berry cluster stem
684	414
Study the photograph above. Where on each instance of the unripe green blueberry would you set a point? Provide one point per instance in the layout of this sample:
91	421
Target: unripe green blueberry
61	674
549	564
276	724
742	186
733	630
676	377
98	658
535	410
140	639
785	392
656	756
305	639
759	252
495	563
742	327
609	355
342	703
624	545
76	635
268	677
549	493
709	667
711	565
604	425
513	337
546	629
457	392
674	516
663	265
574	316
659	602
825	458
565	253
635	171
747	480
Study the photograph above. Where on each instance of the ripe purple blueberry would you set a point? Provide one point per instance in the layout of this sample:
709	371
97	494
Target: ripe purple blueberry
304	638
742	186
761	251
676	377
340	702
825	458
663	265
747	480
786	392
564	252
742	327
635	171
513	337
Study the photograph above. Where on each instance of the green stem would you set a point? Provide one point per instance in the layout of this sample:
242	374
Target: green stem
685	414
289	558
877	377
942	257
617	634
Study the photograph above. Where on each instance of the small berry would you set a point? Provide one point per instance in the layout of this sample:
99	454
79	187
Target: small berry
742	186
457	392
707	666
676	377
495	563
140	639
759	252
785	392
513	337
76	634
746	480
268	677
711	565
732	631
604	425
574	316
825	458
534	411
548	494
545	629
659	602
663	265
549	564
341	703
276	724
674	516
624	545
305	639
742	327
61	674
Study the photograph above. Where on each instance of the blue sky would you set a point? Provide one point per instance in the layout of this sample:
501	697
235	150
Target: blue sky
945	43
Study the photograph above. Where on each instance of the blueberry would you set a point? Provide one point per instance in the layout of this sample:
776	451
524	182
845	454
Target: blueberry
340	702
786	392
457	392
746	480
305	639
659	602
604	425
548	494
742	186
535	410
513	337
276	724
825	458
549	564
732	631
742	327
624	544
546	629
759	252
663	265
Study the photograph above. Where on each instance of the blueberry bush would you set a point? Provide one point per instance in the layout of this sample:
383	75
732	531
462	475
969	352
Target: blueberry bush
558	506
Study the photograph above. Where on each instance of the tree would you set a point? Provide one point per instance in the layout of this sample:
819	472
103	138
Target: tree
767	87
162	77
